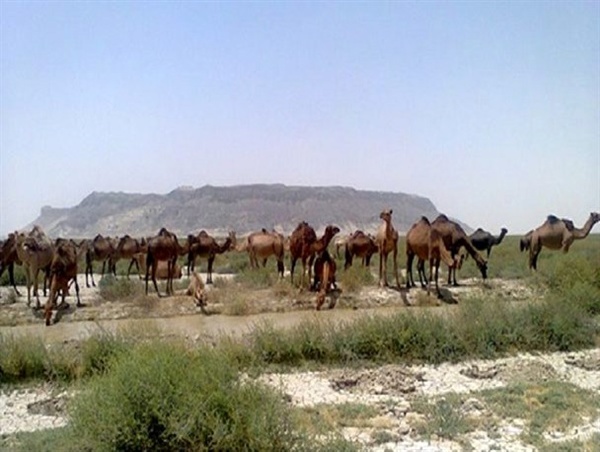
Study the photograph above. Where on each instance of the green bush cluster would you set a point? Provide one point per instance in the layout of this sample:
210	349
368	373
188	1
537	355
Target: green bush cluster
113	289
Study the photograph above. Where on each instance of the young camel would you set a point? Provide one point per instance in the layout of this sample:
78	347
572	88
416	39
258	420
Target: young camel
35	251
556	234
454	238
262	244
324	279
64	271
387	242
132	249
203	245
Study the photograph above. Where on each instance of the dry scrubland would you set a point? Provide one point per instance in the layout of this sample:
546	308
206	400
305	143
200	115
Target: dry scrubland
145	387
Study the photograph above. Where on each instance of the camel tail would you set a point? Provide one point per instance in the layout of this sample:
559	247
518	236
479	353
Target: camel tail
524	244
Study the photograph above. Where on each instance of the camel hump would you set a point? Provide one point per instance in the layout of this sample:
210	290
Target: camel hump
442	217
425	220
568	224
479	230
553	219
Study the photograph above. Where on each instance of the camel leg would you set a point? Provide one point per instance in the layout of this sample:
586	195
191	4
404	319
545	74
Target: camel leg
437	268
131	265
79	304
11	277
396	274
421	273
29	282
292	266
280	268
410	282
209	280
36	287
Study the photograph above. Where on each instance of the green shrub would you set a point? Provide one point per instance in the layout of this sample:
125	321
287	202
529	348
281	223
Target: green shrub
355	277
19	274
162	397
113	289
22	358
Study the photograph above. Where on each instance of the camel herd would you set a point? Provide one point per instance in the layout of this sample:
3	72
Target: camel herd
432	242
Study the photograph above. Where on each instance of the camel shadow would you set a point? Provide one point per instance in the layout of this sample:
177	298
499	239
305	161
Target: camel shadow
403	291
446	296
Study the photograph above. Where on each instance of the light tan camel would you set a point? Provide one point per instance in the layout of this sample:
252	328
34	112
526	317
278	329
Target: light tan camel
454	238
99	249
387	242
556	234
132	249
163	247
205	246
8	259
197	290
262	244
360	245
63	272
35	251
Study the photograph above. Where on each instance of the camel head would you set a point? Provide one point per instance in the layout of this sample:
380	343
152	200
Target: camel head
595	217
386	215
503	231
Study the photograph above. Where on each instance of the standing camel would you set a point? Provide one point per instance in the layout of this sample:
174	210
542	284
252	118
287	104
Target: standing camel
301	241
8	259
63	271
361	245
417	244
387	242
98	249
454	238
484	241
132	249
262	244
35	251
203	245
556	234
163	247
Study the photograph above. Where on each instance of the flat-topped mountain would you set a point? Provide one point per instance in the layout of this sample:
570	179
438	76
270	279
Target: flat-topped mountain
242	208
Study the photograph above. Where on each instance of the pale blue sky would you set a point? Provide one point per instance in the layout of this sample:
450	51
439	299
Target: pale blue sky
490	109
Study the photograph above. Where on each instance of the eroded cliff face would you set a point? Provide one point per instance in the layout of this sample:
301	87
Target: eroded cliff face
243	208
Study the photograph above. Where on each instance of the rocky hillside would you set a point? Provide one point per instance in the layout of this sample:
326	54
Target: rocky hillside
242	208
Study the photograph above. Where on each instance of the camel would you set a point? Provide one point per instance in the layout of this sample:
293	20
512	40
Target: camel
64	271
307	249
525	241
386	240
483	240
132	249
340	243
35	251
556	234
8	259
163	247
263	244
361	245
203	245
417	244
99	249
196	290
324	278
454	238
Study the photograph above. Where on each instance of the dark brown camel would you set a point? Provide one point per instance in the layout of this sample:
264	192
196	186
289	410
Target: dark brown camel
310	249
63	272
98	249
262	244
8	259
131	249
324	279
417	244
484	241
205	246
163	247
557	234
361	245
454	238
387	242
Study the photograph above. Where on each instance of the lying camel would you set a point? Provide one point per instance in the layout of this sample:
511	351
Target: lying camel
63	270
262	244
35	251
205	246
387	242
361	245
556	234
197	290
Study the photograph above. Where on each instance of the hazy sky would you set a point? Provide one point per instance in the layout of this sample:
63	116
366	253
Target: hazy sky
490	109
